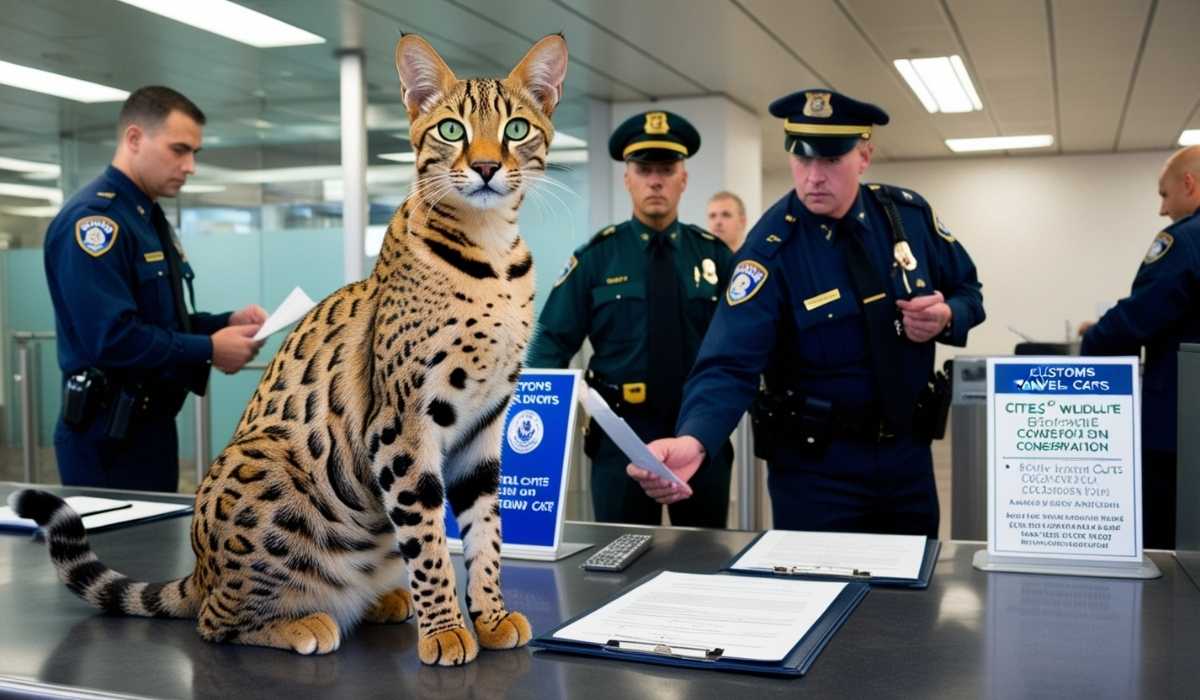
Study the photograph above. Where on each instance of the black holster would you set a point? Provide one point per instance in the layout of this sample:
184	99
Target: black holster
787	421
83	396
933	406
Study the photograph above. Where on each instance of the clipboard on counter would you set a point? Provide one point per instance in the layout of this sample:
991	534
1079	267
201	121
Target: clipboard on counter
847	568
670	646
100	514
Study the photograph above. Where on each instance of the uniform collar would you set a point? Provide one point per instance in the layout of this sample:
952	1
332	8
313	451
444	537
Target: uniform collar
645	234
126	188
858	212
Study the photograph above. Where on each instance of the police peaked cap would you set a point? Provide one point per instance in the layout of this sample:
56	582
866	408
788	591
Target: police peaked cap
654	137
824	123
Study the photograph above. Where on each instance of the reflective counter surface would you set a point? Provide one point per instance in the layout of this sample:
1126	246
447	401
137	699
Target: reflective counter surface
969	635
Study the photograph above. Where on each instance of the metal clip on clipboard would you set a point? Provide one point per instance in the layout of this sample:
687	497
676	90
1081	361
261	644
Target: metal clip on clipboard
663	649
820	570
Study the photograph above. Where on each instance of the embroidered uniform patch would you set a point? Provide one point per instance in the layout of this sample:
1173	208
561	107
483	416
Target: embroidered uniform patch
96	234
941	229
567	269
748	277
1159	247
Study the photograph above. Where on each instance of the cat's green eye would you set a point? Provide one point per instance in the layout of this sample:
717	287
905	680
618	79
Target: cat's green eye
516	129
451	130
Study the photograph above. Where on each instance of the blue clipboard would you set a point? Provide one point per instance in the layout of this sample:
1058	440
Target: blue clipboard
932	549
797	663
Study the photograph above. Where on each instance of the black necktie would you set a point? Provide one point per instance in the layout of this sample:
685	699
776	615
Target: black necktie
664	329
166	238
884	346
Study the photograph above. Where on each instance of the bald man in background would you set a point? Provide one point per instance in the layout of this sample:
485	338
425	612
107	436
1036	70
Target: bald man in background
1161	311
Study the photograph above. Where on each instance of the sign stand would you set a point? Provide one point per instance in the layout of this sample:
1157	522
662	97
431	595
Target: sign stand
535	468
1064	468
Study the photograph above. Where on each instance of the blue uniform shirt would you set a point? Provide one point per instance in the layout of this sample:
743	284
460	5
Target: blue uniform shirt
1161	311
791	310
114	302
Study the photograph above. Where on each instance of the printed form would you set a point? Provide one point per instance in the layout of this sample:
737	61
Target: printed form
835	554
755	619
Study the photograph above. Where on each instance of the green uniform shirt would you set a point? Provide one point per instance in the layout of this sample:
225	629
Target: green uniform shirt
601	295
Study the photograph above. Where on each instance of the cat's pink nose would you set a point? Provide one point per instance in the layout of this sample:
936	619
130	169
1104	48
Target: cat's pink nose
485	168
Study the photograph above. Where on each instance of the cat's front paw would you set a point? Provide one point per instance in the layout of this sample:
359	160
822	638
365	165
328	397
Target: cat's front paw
452	647
506	630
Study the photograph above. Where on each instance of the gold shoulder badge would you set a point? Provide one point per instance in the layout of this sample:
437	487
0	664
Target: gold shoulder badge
772	238
748	277
106	195
96	234
656	123
816	104
1162	243
567	270
609	231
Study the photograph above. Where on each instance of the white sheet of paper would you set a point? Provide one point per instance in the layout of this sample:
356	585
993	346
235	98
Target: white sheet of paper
834	553
291	310
624	437
98	512
757	619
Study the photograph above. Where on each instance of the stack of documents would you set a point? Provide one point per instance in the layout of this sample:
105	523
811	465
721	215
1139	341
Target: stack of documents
100	513
897	560
739	623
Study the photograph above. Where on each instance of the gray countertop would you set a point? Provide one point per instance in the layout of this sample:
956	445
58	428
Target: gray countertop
969	635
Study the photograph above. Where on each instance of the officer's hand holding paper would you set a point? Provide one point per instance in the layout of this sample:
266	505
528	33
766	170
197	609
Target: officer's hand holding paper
629	443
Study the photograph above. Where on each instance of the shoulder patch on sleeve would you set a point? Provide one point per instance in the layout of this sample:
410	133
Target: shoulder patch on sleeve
572	263
748	277
96	234
1159	247
941	227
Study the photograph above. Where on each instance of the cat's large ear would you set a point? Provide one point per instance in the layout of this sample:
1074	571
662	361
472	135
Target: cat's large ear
424	76
542	70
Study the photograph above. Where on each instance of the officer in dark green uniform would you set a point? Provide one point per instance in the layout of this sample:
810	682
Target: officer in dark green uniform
644	292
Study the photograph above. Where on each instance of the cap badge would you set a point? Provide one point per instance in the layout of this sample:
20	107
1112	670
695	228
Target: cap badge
816	104
656	123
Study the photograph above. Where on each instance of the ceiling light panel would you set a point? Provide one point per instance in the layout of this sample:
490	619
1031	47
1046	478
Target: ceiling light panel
29	166
230	20
48	83
1000	143
942	83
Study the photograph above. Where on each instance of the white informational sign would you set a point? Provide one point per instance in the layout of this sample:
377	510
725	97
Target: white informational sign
1064	462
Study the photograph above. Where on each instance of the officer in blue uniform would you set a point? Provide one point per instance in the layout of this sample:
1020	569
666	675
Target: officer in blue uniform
1161	311
644	292
836	300
128	347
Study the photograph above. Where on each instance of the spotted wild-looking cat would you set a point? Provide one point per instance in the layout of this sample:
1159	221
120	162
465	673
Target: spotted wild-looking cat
386	401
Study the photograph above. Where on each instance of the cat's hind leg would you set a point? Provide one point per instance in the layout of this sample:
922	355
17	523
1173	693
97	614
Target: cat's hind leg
393	606
317	633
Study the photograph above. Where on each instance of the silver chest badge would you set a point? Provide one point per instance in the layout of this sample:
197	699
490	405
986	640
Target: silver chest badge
904	256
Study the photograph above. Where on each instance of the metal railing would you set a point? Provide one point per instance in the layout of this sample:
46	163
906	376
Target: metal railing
746	466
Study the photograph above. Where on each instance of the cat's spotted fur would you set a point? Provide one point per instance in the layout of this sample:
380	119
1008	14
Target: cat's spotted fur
383	404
